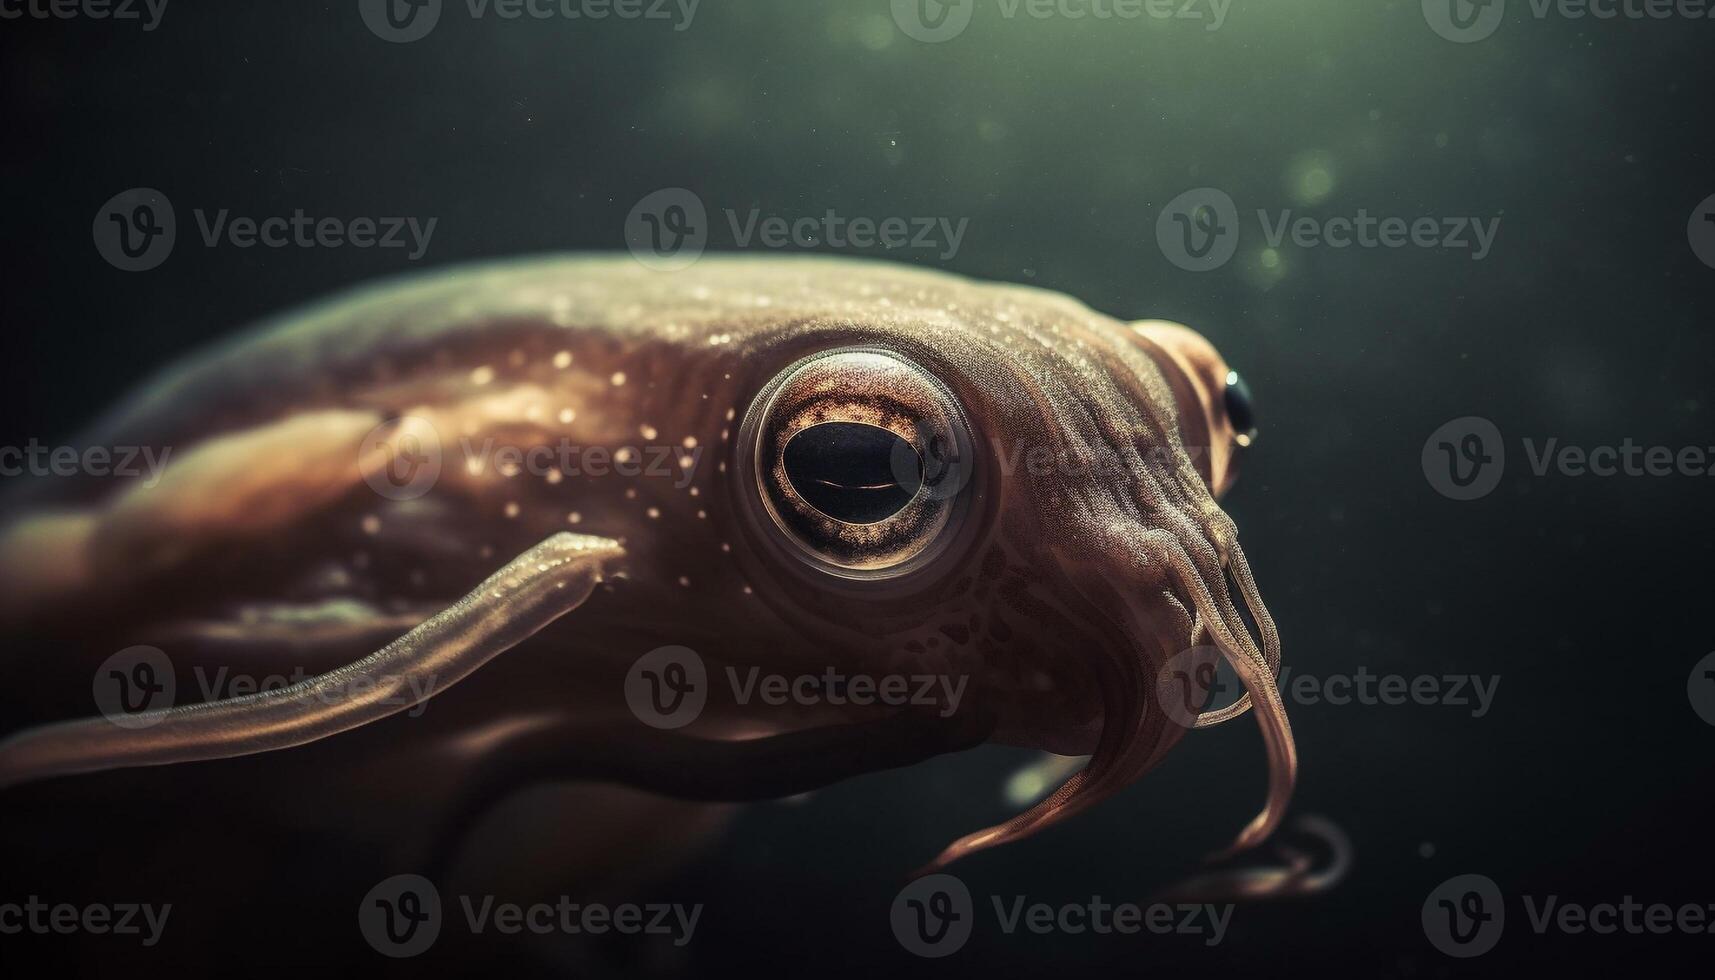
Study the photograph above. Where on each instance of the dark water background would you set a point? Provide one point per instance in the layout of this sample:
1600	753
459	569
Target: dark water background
1061	141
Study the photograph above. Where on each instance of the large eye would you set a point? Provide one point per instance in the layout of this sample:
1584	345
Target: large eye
859	460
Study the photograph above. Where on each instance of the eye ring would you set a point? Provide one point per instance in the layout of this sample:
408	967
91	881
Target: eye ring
856	460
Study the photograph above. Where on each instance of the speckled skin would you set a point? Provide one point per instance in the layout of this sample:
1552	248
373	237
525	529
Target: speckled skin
1066	591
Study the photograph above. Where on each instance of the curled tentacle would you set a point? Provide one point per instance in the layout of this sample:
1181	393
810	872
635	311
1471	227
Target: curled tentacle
1298	873
1258	676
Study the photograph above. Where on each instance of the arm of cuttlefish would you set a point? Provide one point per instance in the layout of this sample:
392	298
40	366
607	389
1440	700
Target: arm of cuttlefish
534	589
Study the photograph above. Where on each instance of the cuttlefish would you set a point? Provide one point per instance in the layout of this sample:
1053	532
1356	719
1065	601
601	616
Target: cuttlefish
784	468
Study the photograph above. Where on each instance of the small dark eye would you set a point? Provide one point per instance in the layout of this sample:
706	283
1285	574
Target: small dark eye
854	473
1239	409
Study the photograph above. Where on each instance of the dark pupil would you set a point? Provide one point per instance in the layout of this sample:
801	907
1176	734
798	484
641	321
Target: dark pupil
1239	410
855	473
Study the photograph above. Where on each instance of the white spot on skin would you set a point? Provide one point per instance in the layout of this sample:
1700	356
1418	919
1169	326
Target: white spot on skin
574	518
617	379
654	513
511	509
371	524
689	442
482	375
630	493
566	416
554	476
684	581
563	359
648	431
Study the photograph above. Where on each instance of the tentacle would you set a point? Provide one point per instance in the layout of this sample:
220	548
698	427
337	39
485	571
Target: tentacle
1298	874
1133	741
526	595
1258	676
1126	725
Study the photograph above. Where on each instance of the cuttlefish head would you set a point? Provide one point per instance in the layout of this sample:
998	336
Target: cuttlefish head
1006	487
